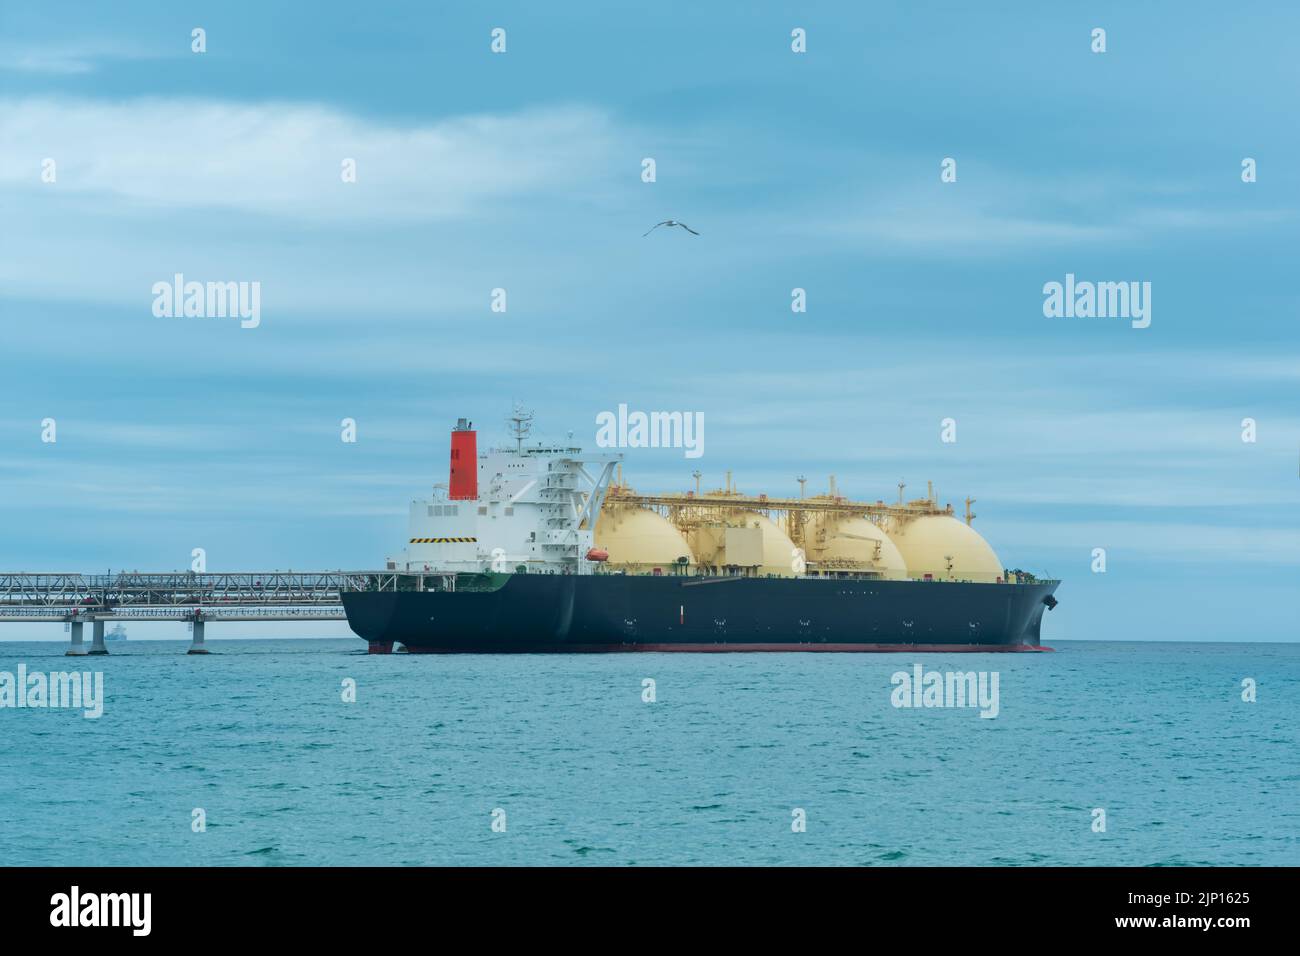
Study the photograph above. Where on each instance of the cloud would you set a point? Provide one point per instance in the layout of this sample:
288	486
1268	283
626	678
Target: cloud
76	58
286	159
60	62
973	226
991	211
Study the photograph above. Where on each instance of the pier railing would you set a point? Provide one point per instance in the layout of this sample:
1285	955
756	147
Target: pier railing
129	591
178	588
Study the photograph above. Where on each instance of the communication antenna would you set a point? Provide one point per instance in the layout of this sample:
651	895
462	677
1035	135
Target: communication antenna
901	486
969	514
696	475
802	481
520	424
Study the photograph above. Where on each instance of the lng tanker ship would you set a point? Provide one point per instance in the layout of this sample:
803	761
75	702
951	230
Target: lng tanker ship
542	548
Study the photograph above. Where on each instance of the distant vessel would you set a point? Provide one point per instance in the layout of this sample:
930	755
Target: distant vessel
539	548
117	633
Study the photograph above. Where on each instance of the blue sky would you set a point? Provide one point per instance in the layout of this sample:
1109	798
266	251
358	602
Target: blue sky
522	171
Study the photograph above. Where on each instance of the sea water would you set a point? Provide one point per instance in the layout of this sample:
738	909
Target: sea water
295	752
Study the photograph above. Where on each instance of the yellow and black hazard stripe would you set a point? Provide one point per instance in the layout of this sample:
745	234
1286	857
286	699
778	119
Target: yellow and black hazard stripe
443	540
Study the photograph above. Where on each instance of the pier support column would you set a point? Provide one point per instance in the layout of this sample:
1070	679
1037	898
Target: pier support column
97	637
197	646
78	649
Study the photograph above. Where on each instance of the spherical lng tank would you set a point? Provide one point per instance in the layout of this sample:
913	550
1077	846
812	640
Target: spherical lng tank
639	540
851	543
945	548
744	541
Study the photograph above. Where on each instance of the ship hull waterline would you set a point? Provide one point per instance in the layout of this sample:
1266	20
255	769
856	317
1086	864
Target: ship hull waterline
610	613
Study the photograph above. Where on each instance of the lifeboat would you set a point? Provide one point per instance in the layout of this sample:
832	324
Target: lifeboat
597	554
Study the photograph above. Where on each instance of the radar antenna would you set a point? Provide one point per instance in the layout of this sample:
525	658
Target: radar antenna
520	424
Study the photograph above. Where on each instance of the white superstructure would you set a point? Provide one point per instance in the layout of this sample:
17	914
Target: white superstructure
532	507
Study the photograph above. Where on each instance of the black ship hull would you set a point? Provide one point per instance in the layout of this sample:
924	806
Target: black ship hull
539	613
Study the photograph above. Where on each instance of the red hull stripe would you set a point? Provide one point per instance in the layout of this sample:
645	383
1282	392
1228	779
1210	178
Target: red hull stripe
743	648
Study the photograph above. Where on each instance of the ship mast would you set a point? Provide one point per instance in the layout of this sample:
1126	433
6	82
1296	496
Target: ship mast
520	424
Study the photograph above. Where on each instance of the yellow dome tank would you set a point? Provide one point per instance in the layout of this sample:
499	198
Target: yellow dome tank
851	543
639	540
929	544
747	541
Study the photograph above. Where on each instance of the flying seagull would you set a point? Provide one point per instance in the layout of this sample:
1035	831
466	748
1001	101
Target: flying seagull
670	222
